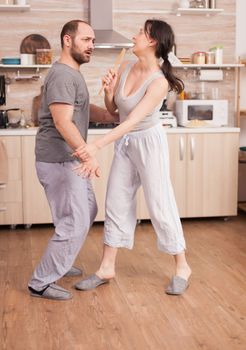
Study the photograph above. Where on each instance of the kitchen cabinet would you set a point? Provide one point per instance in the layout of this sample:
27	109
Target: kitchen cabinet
204	173
11	193
35	205
203	169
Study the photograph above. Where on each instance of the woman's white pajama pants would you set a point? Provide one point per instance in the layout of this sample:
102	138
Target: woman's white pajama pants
141	158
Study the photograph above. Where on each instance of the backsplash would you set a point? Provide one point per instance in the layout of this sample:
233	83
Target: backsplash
193	33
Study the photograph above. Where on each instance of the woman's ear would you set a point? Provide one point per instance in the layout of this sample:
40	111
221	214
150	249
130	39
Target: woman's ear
152	42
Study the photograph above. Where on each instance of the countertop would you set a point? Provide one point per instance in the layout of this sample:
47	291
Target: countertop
179	130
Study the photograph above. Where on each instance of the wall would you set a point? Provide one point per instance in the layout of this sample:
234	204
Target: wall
192	34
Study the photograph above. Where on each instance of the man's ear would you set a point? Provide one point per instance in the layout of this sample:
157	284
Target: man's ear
67	40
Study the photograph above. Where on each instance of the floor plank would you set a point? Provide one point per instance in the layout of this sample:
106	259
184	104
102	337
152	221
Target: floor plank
132	312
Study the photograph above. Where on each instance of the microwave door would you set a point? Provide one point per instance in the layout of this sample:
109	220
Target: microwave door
200	112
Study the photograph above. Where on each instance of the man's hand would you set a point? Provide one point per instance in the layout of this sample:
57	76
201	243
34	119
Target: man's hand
85	152
88	169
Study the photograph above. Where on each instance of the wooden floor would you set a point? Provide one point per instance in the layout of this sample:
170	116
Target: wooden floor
132	312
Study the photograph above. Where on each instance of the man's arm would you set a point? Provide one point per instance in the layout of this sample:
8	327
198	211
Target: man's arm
62	115
101	115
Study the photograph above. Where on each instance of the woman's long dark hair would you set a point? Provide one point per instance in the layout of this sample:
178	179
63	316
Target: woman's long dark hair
163	34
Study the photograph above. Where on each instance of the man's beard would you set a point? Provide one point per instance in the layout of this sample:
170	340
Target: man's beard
80	58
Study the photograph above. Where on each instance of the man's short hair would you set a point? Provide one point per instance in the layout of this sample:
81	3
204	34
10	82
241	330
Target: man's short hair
70	28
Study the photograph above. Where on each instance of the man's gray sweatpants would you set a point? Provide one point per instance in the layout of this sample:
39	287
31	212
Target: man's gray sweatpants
73	207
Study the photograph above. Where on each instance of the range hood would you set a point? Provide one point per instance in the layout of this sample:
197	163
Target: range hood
100	14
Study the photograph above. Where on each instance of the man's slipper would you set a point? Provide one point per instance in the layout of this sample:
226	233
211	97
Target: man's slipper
53	291
74	271
90	282
177	286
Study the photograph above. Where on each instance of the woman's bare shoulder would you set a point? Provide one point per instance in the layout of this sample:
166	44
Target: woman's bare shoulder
160	83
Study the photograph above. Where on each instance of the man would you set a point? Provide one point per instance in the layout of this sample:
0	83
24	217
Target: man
63	118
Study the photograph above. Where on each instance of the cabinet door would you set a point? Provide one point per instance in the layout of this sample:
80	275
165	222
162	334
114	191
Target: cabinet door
11	192
212	163
35	205
104	157
177	144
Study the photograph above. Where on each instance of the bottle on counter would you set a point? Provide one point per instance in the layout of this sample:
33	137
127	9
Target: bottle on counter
218	52
210	57
22	119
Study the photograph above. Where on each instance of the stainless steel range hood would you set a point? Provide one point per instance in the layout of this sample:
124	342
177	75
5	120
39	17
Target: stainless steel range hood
100	14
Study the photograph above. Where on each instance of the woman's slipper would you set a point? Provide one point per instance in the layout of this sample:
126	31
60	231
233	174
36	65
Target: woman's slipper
177	286
91	282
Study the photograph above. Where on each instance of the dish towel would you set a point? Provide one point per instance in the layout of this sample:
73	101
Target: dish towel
3	164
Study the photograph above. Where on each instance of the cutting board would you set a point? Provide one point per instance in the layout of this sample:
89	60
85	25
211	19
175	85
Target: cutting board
32	42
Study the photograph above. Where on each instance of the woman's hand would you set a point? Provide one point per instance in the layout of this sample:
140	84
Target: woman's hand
109	81
86	152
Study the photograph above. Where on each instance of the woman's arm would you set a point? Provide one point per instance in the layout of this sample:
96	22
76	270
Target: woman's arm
110	83
154	95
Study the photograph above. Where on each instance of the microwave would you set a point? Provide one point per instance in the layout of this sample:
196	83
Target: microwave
212	112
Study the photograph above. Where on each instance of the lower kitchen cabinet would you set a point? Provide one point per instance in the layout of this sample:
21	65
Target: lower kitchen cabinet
204	173
11	193
203	168
35	204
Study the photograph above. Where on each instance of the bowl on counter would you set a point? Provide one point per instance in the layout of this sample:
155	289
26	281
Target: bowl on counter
11	60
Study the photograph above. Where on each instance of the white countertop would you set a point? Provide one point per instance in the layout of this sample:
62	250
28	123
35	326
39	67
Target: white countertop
179	130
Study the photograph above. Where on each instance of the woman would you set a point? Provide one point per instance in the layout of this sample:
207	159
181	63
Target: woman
141	156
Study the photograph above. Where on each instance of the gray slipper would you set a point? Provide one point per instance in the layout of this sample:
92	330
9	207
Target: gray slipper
74	271
54	292
177	286
90	282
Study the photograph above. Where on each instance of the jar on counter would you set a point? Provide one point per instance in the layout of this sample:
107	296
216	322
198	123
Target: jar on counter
43	56
210	57
199	57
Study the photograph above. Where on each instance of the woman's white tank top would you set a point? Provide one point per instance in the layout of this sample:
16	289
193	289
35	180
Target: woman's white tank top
126	104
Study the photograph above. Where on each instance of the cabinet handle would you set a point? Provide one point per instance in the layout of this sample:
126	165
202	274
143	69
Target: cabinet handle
192	148
3	209
181	148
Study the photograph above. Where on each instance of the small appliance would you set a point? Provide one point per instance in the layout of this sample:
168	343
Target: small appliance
210	112
166	116
3	119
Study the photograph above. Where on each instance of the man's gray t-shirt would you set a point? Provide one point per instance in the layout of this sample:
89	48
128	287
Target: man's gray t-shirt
63	84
